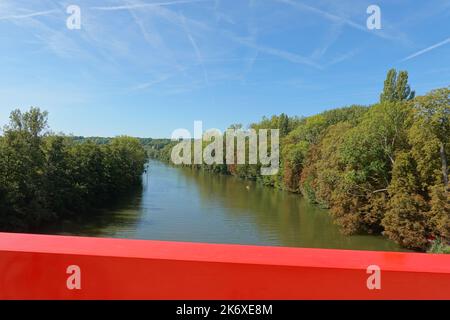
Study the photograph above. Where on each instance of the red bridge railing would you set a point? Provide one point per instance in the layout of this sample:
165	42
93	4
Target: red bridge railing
59	267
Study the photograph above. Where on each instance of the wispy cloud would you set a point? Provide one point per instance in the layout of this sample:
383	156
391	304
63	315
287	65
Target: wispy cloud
48	33
324	14
174	18
146	5
249	66
52	39
282	54
419	53
339	19
220	16
196	50
149	84
28	15
332	36
340	58
152	36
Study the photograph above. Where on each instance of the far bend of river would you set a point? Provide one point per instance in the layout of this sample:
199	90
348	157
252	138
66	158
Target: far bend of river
183	204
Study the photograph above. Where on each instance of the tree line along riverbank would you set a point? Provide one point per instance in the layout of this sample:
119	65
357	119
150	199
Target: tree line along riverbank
46	177
380	169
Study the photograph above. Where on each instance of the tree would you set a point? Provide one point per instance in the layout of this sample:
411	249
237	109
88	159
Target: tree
439	214
45	177
396	88
297	144
283	125
322	174
433	113
428	138
235	126
24	160
405	220
56	184
129	159
367	155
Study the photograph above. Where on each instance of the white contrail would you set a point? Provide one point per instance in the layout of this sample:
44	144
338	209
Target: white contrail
153	82
418	53
336	19
146	5
285	55
28	15
324	14
196	49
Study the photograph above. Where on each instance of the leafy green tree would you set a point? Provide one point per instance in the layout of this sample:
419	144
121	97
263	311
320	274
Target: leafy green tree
44	177
283	125
128	160
23	160
367	155
308	133
405	220
433	113
57	184
324	168
396	88
438	218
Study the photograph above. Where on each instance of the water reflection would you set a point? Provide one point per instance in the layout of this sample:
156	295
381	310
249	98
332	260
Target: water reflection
280	218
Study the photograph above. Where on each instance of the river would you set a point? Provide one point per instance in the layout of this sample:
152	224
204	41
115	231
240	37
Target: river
182	204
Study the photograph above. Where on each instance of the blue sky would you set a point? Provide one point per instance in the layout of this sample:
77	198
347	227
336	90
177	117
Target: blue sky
145	68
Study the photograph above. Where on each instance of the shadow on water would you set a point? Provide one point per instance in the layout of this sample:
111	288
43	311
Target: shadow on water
182	204
121	213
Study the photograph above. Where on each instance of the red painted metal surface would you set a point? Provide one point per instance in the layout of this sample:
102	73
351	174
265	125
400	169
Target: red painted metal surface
38	267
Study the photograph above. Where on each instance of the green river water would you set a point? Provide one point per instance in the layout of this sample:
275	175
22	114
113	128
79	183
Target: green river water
182	204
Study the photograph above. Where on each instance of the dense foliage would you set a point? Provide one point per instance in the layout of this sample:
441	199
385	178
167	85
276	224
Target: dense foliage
380	169
45	177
